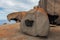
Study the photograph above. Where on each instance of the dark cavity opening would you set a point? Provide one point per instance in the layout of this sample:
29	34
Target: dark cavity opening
29	23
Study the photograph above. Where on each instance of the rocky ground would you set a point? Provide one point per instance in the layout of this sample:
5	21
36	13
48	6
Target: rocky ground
11	32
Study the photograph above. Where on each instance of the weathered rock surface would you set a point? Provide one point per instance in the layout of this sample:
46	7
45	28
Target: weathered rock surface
11	32
40	24
52	7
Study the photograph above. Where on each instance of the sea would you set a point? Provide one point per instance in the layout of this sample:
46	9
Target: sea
6	21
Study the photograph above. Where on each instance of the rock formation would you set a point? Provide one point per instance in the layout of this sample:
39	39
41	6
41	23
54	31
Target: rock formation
52	7
36	23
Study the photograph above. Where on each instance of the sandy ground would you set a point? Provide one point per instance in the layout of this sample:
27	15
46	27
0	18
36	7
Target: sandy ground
11	32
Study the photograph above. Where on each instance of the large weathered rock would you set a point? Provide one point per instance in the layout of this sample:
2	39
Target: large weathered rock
52	7
35	24
28	29
16	16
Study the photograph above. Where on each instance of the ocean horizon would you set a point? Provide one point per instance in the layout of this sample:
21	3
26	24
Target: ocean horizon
6	21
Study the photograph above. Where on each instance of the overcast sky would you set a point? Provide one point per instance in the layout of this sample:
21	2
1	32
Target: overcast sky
8	6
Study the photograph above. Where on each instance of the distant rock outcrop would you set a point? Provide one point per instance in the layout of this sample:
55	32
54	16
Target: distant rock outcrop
4	23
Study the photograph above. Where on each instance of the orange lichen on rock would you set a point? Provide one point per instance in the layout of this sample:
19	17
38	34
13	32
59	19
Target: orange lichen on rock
39	9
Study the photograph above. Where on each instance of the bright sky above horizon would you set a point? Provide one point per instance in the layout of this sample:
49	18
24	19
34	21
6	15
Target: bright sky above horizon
8	6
